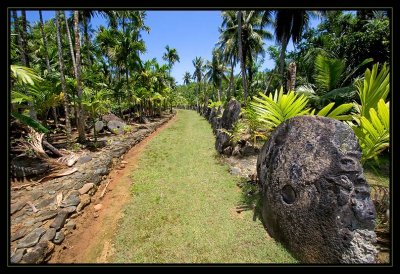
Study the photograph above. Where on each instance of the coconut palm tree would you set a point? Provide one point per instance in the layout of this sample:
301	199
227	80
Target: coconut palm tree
80	118
246	29
62	78
186	78
171	56
198	64
216	71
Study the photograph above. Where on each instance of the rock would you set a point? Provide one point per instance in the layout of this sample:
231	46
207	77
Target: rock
85	200
19	234
116	127
49	235
98	126
144	120
248	149
59	238
216	124
227	151
236	151
70	209
222	141
124	162
70	225
32	238
17	256
46	202
316	200
38	253
72	199
122	166
16	207
59	220
230	114
48	214
235	171
85	188
111	117
101	171
84	159
98	207
213	113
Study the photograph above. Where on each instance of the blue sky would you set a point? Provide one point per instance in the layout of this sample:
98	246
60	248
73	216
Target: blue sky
192	33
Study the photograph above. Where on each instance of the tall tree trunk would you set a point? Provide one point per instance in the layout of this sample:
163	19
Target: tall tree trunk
80	120
228	97
87	40
291	82
70	44
62	78
282	60
242	60
24	36
46	53
19	37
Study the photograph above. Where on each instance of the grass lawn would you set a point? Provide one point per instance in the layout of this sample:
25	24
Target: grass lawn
183	206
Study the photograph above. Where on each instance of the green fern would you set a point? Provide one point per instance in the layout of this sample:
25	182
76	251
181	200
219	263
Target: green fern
374	132
336	113
273	110
328	72
24	75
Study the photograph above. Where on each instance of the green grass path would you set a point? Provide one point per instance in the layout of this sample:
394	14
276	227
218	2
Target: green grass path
183	202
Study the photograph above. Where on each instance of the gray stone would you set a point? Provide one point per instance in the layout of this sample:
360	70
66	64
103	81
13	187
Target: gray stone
17	256
70	225
99	126
85	188
59	237
59	221
49	235
84	159
316	200
222	141
236	151
48	214
111	117
227	151
116	127
21	232
23	166
101	171
70	209
36	194
16	207
46	202
37	254
235	171
213	113
85	200
248	149
72	199
32	238
230	114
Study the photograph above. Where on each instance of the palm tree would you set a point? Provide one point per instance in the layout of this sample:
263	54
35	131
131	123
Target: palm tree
198	74
171	56
289	24
80	121
70	44
19	37
244	28
216	71
46	52
186	78
62	78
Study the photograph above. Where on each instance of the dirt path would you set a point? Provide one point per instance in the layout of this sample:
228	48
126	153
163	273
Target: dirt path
90	242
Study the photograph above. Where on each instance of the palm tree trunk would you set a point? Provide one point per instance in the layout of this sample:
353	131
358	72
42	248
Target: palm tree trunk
242	61
19	37
62	79
24	38
46	53
70	44
228	97
282	60
81	122
87	40
292	77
